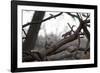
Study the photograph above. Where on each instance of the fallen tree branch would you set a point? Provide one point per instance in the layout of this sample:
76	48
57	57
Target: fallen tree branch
59	56
72	37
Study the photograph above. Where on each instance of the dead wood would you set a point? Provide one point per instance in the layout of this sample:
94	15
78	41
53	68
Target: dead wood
64	41
59	56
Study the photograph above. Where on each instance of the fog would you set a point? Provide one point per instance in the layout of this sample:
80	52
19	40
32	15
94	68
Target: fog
56	26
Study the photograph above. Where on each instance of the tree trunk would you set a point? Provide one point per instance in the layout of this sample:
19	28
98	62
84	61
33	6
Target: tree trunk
32	34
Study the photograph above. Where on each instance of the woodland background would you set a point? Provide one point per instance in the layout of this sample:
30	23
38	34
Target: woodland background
46	38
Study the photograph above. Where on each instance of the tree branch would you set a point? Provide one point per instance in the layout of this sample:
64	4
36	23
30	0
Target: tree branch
71	27
59	56
86	30
64	41
24	31
72	15
35	22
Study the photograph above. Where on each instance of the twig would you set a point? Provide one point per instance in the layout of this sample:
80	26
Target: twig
72	15
71	27
88	15
23	37
24	31
80	19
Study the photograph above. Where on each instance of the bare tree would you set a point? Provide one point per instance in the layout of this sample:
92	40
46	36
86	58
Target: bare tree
34	28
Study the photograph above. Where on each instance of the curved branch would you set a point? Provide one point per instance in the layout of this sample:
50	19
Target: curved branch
35	22
86	30
60	43
72	15
54	16
72	37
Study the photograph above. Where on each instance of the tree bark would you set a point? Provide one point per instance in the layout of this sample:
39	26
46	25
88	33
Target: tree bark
60	43
32	34
59	56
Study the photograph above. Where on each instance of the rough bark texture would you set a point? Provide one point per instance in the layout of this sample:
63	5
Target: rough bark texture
57	50
64	41
31	36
